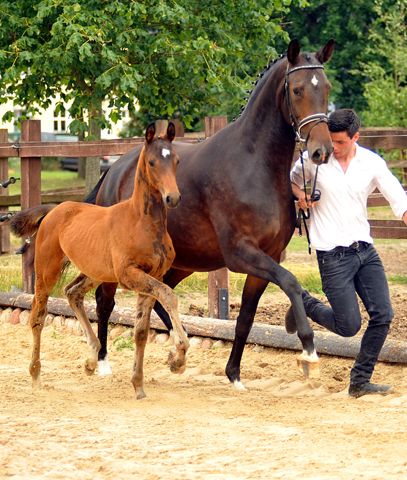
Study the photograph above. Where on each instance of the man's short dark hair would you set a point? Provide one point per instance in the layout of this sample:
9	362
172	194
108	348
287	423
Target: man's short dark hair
344	120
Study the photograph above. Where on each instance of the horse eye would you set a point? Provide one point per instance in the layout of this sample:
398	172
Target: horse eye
297	92
177	161
151	163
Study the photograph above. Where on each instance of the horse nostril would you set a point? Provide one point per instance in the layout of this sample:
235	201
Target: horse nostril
172	201
317	155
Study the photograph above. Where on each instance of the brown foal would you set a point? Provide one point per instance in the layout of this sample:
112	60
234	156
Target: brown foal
127	243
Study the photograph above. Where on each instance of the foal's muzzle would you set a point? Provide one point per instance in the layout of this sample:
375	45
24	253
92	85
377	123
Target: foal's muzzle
172	200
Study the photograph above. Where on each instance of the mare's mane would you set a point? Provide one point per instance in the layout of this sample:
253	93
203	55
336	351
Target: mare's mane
259	84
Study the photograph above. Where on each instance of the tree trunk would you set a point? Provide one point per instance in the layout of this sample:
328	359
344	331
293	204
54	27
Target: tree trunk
81	161
93	163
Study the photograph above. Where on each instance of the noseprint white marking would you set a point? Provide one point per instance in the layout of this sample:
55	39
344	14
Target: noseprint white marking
314	81
165	152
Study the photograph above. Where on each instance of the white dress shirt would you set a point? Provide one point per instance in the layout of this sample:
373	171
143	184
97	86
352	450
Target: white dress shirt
339	218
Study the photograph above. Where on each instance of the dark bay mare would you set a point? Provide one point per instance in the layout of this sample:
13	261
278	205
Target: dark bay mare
237	206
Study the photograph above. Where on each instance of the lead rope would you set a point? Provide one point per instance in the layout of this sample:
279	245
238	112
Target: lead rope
315	196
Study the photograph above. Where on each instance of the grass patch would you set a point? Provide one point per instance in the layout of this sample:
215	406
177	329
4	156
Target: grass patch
50	180
121	343
307	275
398	279
10	272
11	275
57	337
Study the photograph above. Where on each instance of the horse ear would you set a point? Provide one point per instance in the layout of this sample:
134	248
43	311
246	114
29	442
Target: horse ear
293	51
170	135
150	132
325	53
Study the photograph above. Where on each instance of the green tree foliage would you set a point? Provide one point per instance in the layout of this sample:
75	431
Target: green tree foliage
348	22
386	91
168	55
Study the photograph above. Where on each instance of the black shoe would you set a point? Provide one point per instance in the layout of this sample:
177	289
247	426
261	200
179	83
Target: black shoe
359	389
290	323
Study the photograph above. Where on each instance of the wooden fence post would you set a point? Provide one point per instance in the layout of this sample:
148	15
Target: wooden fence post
4	231
161	127
218	281
179	128
30	191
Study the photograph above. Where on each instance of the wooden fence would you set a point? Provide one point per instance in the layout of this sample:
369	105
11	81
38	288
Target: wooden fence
30	149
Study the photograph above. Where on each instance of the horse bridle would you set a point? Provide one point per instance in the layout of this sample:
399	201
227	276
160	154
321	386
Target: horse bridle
315	118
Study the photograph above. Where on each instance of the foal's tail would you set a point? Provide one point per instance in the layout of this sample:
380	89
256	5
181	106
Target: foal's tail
27	222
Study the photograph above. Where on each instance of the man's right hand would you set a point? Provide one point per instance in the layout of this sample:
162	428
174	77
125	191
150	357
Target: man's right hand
305	202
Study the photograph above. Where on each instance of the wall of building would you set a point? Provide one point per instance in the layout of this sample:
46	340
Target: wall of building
58	124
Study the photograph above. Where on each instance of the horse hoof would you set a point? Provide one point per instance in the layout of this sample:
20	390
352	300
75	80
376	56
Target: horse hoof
238	385
177	364
309	368
178	370
140	393
36	384
104	367
89	368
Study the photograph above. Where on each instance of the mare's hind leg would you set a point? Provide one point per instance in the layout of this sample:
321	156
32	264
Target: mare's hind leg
75	293
104	306
142	326
138	281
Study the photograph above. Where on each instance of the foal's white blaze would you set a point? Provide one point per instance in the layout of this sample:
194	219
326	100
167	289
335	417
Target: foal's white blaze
314	81
104	367
165	152
238	385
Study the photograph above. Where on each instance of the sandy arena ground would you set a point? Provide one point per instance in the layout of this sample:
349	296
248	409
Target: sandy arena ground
193	426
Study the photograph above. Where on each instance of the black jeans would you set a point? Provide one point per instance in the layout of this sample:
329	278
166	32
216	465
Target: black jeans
346	271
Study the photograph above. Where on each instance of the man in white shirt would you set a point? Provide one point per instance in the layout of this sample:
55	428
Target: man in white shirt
340	234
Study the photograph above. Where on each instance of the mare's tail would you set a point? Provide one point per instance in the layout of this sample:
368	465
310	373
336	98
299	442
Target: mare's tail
91	197
26	223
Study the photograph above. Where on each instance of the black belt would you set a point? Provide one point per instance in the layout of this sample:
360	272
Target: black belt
354	246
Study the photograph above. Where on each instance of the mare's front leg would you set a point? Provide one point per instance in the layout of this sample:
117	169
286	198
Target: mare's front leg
141	329
75	293
135	279
104	306
248	258
253	290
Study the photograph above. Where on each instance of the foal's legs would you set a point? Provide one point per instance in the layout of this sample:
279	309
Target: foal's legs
48	273
75	293
139	281
141	328
38	312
